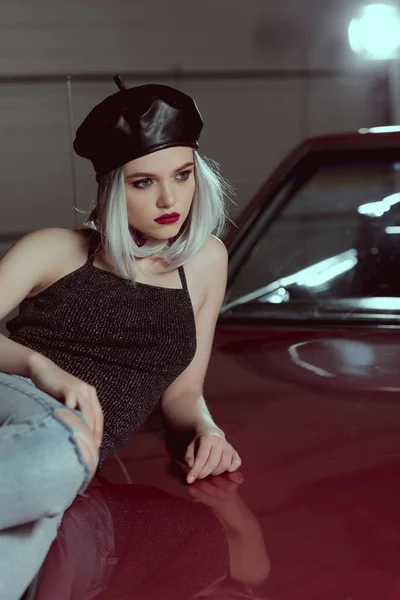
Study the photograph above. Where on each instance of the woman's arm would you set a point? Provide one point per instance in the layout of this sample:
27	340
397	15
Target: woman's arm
15	358
182	404
188	412
34	261
24	268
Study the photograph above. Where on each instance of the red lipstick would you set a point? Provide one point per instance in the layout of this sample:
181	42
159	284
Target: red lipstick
167	219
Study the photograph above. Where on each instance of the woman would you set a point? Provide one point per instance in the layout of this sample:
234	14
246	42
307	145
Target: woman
112	318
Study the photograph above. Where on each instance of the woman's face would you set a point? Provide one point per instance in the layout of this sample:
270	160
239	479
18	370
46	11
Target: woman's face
159	191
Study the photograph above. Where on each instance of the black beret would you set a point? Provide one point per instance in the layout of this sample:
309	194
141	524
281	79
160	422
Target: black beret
137	121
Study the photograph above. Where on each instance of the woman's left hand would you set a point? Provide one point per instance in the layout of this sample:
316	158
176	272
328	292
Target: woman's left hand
210	454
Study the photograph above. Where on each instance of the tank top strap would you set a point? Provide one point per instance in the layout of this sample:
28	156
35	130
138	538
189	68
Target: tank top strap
182	275
94	242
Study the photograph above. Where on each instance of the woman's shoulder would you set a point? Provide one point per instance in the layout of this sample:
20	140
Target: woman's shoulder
58	250
207	270
214	244
38	259
213	253
63	242
48	243
53	236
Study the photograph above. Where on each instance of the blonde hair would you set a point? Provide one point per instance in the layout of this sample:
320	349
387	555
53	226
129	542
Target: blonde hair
207	216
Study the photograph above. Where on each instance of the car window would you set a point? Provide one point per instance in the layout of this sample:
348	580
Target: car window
335	243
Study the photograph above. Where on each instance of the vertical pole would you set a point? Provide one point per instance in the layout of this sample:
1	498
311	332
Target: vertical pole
305	129
394	84
387	109
72	161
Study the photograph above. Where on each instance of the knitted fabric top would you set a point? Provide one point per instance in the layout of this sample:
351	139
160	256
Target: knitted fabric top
129	341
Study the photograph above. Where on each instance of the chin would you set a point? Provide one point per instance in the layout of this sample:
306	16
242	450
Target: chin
160	238
170	232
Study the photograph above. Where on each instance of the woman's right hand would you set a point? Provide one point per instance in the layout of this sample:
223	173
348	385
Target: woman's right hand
70	390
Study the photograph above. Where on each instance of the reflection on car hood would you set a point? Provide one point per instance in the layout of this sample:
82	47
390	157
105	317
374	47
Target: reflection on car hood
315	416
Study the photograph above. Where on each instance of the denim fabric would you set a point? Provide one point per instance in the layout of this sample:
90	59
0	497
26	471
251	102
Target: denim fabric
42	469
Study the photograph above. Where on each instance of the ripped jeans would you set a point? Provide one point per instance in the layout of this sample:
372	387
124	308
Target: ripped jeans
42	469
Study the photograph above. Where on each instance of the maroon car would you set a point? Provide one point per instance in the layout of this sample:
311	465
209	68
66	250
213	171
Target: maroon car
304	378
305	373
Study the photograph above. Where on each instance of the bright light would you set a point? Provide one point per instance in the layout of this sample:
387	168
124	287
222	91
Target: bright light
321	277
277	297
381	129
315	275
376	33
392	230
378	209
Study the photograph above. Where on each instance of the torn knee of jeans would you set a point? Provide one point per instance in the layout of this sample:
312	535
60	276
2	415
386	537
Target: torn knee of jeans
82	435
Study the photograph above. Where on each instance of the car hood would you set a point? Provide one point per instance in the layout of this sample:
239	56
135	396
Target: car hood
316	416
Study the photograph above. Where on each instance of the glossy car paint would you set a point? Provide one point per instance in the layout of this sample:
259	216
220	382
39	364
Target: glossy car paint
314	411
315	415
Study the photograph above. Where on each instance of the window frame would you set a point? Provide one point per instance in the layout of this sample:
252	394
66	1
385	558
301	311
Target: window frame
271	203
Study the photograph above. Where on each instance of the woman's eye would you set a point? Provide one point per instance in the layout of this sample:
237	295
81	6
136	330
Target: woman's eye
183	175
143	183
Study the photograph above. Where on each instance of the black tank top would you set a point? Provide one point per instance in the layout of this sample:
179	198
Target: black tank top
129	341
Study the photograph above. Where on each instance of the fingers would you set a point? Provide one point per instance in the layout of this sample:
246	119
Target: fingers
236	463
214	457
85	399
221	461
70	400
207	459
189	456
85	404
212	462
225	461
201	459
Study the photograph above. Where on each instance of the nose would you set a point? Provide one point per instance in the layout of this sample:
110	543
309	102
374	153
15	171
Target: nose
166	198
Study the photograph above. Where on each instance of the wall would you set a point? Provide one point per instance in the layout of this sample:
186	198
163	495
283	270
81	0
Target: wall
250	124
249	127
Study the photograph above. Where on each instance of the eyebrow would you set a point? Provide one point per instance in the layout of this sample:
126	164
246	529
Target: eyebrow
154	176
